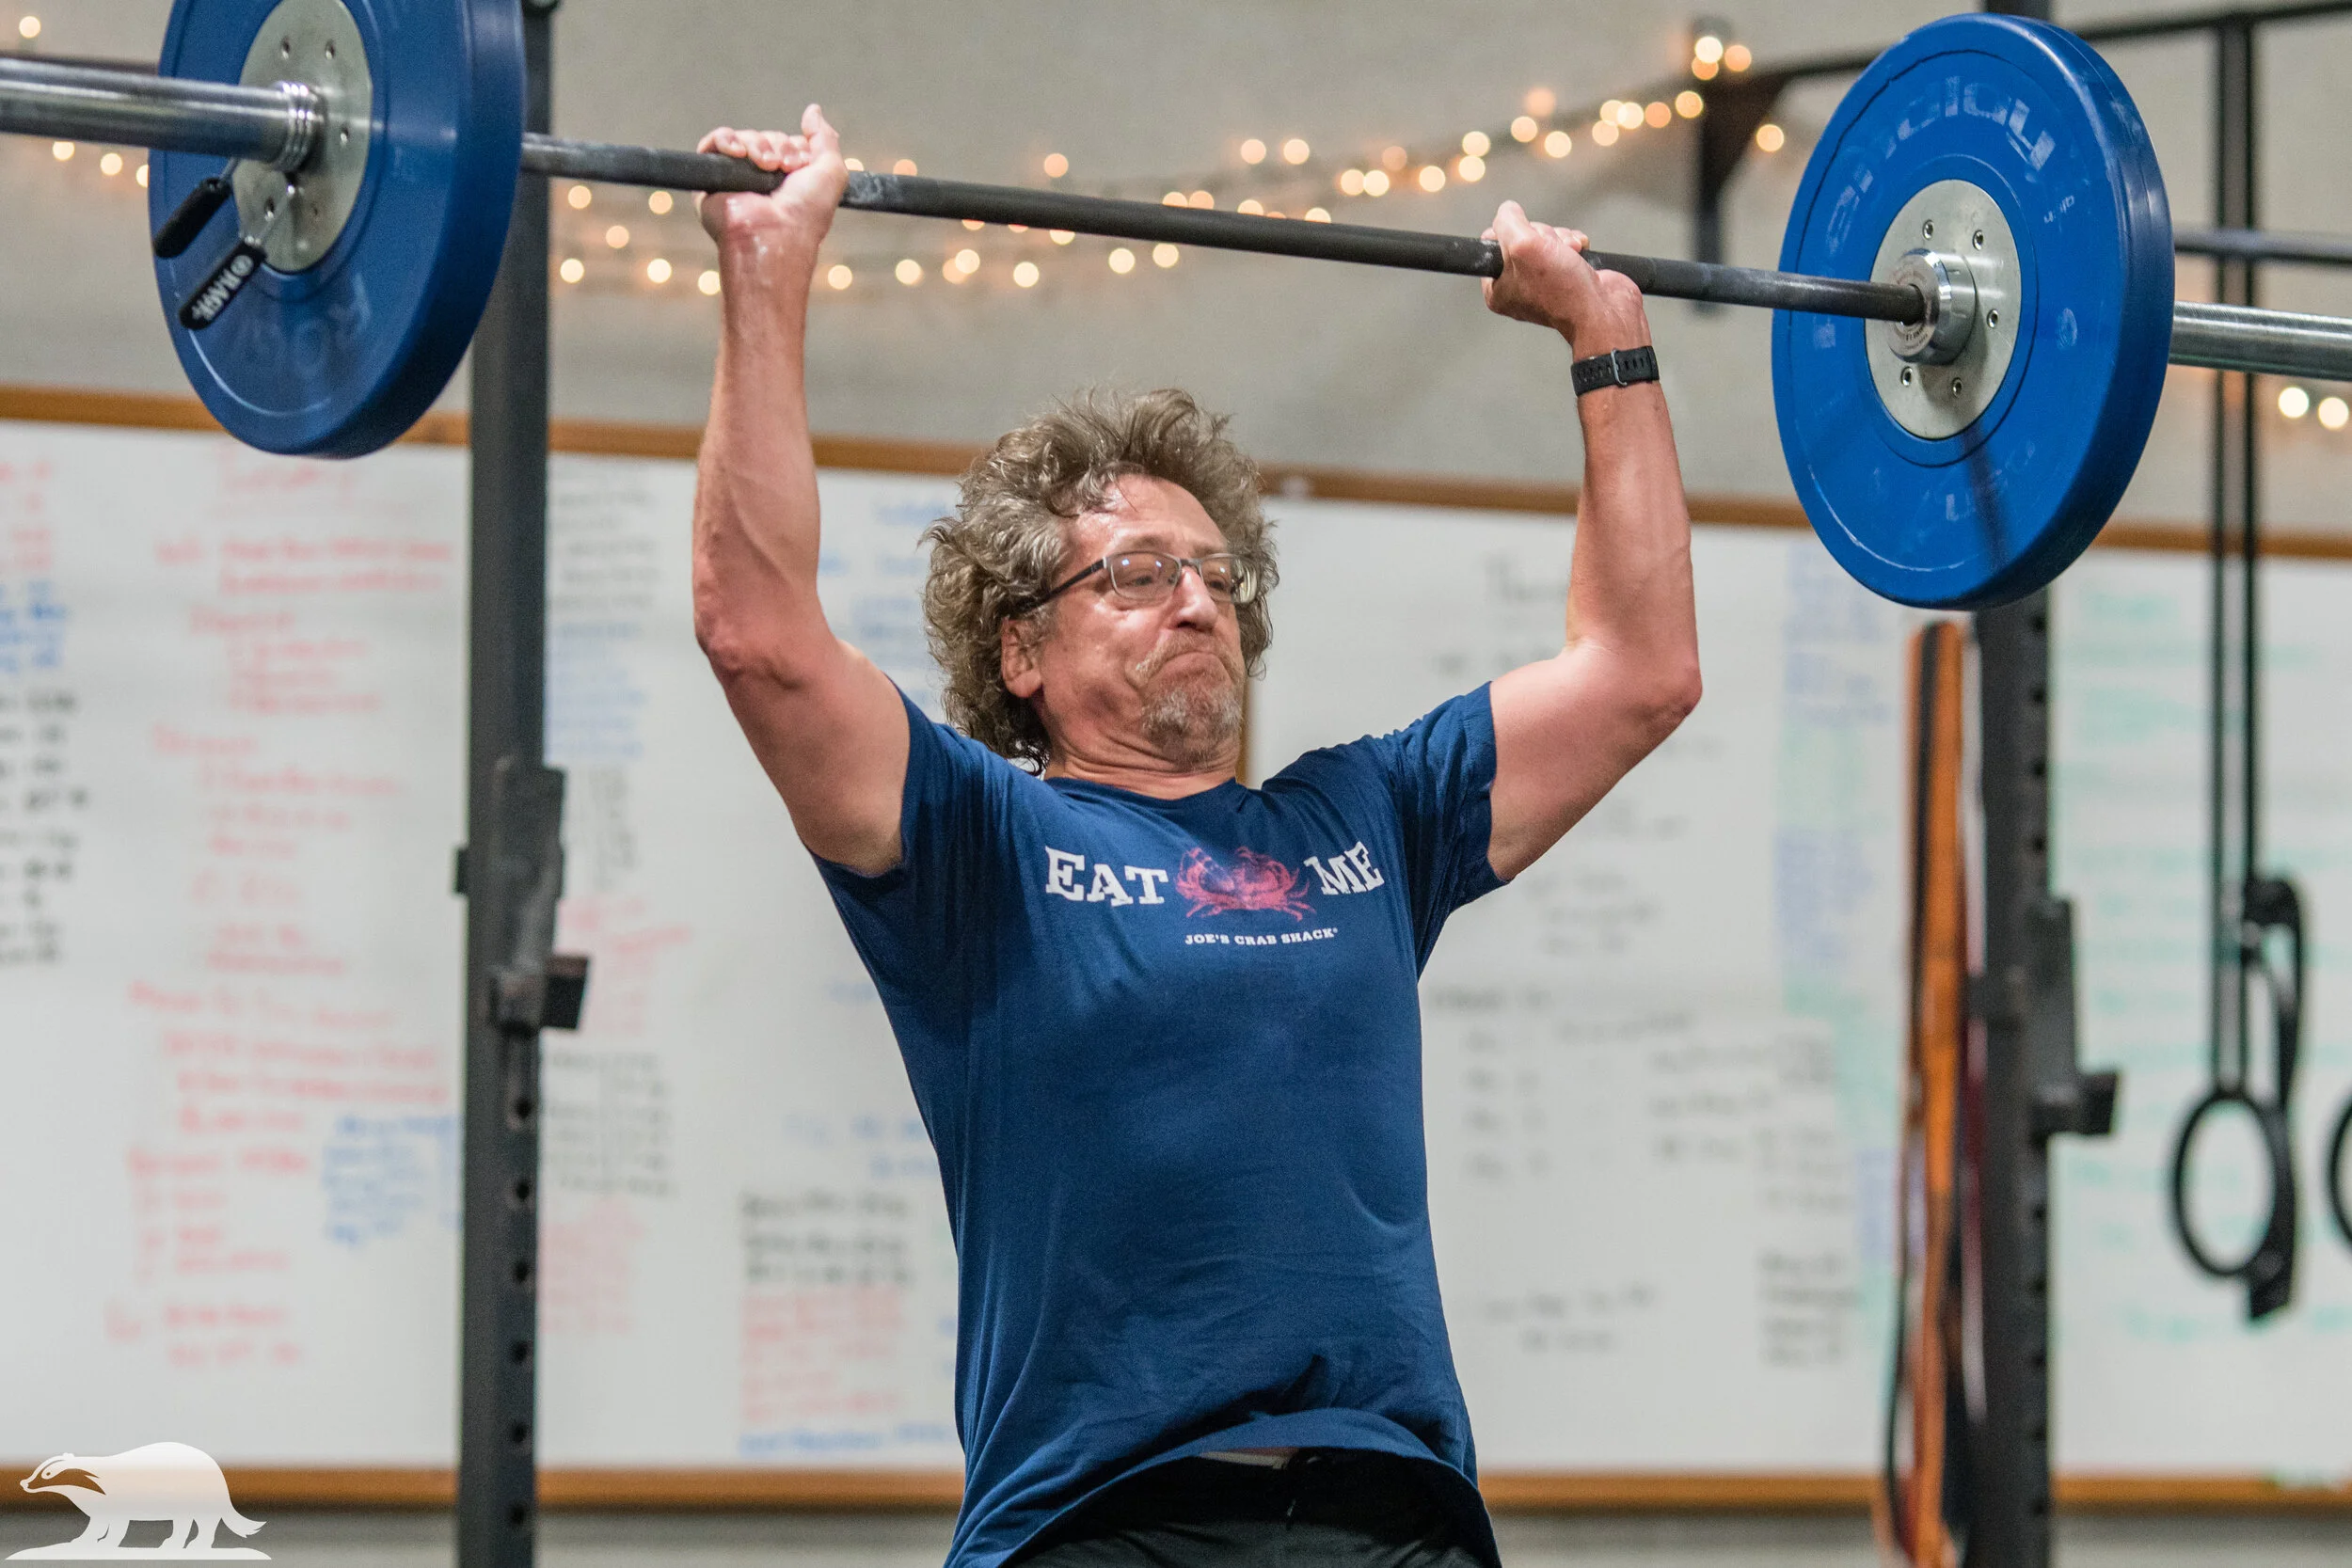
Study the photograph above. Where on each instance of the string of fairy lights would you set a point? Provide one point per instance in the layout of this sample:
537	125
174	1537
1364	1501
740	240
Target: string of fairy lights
618	239
611	240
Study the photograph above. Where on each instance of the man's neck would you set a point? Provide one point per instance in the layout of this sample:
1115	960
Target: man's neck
1159	779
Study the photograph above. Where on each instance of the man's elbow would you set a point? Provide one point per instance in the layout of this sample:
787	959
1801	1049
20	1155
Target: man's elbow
742	655
1667	698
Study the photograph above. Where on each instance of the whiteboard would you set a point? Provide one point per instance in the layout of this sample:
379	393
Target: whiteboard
1659	1095
1660	1065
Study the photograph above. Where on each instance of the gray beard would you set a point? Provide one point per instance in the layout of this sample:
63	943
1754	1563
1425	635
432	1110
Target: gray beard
1192	724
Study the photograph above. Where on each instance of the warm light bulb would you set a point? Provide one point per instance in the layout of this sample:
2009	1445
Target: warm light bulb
1202	199
1294	151
1558	143
1609	107
1317	214
1704	70
1123	260
1430	178
1253	152
573	269
904	166
1476	143
967	259
616	236
660	202
1061	236
2334	413
1164	255
1736	57
1604	133
1541	102
1472	170
1524	128
855	165
1375	181
1025	273
1055	165
1770	137
1707	47
1657	115
579	196
908	271
1689	104
61	150
709	281
1629	115
658	271
2294	402
29	27
142	177
1251	205
1393	159
1174	198
1351	182
110	165
975	225
839	276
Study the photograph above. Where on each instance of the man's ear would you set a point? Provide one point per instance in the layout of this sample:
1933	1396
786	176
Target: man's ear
1017	652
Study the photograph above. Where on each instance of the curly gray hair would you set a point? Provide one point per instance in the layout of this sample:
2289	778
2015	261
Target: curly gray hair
995	558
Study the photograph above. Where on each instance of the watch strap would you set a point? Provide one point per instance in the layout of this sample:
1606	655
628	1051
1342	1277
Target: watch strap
1619	368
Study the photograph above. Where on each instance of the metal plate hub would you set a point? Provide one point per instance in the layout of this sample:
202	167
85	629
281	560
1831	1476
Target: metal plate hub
1951	241
315	42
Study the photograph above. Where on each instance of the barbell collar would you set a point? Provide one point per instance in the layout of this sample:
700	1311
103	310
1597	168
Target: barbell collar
2267	343
273	125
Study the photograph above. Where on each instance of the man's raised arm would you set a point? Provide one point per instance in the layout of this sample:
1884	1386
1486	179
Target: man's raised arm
1569	727
825	723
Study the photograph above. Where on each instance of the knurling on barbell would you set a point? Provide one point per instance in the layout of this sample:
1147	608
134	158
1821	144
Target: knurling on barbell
1961	409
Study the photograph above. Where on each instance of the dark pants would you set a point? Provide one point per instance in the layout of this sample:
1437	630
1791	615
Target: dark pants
1343	1508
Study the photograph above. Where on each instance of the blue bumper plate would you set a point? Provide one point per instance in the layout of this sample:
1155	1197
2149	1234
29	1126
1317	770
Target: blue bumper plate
342	356
2031	116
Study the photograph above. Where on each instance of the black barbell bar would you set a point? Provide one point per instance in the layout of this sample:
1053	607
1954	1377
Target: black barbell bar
1108	217
274	124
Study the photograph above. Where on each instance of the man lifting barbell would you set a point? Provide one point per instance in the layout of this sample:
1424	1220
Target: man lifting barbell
1163	1028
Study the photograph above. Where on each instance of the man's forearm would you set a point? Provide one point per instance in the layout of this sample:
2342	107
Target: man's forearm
1630	586
755	512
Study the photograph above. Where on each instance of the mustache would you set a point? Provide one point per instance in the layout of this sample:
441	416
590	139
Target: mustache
1161	657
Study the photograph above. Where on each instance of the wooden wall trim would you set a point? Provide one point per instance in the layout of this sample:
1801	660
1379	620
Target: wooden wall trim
747	1489
880	454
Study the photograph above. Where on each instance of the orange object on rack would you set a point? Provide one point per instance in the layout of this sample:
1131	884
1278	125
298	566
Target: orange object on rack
1920	1506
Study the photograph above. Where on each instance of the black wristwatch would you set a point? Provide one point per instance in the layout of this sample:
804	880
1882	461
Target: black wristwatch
1619	368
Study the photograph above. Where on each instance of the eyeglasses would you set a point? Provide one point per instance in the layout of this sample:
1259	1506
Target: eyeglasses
1146	576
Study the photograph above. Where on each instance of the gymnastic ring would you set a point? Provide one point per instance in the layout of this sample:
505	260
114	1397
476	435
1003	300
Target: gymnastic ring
2268	1269
2332	1173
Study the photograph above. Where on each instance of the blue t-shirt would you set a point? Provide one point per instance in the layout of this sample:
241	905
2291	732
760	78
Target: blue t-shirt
1168	1053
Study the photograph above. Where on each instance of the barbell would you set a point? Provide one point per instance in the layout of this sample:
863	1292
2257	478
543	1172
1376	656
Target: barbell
1973	303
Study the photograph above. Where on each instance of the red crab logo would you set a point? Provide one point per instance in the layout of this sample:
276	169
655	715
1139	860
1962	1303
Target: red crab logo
1258	882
